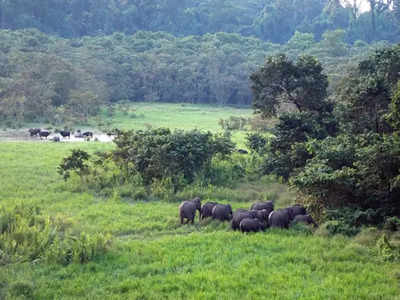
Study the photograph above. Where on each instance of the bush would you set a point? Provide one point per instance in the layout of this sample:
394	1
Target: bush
28	235
159	154
386	250
256	142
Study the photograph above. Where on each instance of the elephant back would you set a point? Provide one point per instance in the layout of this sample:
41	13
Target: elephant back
268	205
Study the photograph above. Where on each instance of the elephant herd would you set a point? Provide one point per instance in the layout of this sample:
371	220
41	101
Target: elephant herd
259	217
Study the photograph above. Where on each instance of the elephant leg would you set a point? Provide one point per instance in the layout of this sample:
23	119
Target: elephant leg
182	220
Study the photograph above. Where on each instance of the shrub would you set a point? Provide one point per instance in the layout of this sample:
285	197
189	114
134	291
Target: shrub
74	163
256	142
28	235
159	154
386	250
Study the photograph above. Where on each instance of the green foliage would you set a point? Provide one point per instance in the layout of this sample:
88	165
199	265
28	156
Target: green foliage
301	84
386	250
256	142
160	153
356	170
287	151
76	162
28	235
367	92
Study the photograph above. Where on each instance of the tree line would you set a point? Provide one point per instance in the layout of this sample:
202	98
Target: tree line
273	20
50	79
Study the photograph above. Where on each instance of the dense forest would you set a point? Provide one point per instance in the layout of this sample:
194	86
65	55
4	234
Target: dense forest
273	20
61	59
51	79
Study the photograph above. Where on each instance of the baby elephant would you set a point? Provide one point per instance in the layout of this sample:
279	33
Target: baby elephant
206	210
252	225
187	209
222	212
307	219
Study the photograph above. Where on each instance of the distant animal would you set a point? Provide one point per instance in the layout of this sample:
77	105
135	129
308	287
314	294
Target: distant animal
187	209
78	134
65	133
206	210
279	218
222	212
307	219
252	225
87	134
242	151
56	139
44	133
262	205
239	215
34	131
295	210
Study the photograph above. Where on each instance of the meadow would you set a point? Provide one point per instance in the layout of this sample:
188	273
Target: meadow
153	256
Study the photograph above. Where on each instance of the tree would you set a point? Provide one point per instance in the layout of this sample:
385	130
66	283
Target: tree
377	8
280	80
366	92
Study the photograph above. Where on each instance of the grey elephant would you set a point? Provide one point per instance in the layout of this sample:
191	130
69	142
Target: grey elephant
252	225
269	205
187	209
295	210
307	219
239	215
279	218
262	214
222	212
206	210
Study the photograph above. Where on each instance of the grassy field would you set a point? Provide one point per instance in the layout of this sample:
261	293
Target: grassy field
182	116
152	256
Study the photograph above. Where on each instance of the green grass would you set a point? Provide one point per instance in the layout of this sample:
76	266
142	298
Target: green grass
182	116
154	257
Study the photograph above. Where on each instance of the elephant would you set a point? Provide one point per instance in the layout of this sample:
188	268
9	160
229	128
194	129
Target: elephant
222	212
262	215
34	131
307	219
269	205
187	209
279	218
252	225
206	210
239	215
44	133
295	210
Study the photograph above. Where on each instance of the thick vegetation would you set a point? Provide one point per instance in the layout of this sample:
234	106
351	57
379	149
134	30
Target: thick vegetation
274	21
48	79
344	154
